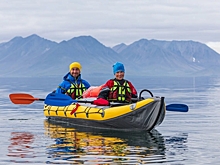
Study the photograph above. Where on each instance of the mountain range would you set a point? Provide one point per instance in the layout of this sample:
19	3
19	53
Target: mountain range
34	56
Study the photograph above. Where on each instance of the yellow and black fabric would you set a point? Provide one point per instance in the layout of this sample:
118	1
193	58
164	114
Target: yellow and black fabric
120	92
76	90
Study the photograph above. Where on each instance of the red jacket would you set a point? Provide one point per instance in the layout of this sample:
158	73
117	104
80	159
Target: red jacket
105	91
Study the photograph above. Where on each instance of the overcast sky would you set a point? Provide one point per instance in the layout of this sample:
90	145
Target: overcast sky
112	21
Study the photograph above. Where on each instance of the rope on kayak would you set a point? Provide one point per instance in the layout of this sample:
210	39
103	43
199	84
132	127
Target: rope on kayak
74	109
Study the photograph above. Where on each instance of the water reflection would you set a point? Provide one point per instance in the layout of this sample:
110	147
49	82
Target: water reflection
21	146
83	145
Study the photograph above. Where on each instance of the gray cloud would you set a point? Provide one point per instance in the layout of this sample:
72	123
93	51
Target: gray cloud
112	22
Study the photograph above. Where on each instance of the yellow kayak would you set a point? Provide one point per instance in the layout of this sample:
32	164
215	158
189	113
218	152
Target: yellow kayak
142	115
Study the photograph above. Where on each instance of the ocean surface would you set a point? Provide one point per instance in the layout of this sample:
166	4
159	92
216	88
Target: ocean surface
183	138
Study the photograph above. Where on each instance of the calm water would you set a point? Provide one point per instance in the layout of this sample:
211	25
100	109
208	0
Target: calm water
183	138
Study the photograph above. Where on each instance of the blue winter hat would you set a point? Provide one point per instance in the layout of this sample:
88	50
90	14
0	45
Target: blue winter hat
118	67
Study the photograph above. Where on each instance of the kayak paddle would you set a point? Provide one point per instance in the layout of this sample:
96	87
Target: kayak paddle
56	99
23	98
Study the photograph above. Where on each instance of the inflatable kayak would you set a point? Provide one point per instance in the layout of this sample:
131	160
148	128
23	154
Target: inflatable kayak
141	115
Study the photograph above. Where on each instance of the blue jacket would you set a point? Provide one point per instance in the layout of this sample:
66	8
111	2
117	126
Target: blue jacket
66	83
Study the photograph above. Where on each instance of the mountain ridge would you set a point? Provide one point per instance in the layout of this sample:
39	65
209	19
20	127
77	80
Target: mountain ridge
34	56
